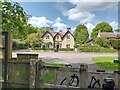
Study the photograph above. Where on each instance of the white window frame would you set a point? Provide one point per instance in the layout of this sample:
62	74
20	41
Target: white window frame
47	37
68	37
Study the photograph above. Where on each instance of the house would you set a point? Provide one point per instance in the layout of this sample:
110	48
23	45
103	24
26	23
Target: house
58	40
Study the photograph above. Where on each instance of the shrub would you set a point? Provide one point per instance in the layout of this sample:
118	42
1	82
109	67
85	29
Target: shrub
66	49
39	48
17	44
103	42
115	43
95	48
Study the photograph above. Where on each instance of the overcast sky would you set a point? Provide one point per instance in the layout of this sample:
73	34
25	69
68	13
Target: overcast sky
61	15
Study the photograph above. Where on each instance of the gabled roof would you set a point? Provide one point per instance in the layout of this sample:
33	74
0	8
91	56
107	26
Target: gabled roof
53	34
108	35
67	32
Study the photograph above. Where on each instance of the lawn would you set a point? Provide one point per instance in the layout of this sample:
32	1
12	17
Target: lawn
105	63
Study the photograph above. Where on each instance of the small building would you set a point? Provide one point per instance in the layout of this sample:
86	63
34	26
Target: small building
59	39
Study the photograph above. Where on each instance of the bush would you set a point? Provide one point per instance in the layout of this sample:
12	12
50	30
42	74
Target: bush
39	48
115	43
17	44
66	49
95	48
103	42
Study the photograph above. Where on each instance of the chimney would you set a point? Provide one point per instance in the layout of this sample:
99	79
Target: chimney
60	30
69	29
51	29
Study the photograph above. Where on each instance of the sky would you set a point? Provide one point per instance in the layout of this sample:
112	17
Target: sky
61	15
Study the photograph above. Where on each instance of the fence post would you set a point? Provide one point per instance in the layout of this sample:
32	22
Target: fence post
39	78
83	75
32	74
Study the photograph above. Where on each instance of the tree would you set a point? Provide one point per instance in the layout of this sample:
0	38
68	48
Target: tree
15	19
101	27
103	42
33	40
81	34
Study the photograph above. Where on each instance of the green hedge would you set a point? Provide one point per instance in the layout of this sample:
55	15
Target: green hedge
61	49
95	48
39	48
66	49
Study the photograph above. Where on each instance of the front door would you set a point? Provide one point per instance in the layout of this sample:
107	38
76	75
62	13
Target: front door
57	46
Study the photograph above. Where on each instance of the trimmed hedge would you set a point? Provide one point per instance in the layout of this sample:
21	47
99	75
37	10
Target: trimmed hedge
95	48
39	48
61	49
66	49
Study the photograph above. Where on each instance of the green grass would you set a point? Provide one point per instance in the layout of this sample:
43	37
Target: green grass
54	64
105	63
50	75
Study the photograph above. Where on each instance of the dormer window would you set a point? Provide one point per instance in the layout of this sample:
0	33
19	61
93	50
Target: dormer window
68	36
47	36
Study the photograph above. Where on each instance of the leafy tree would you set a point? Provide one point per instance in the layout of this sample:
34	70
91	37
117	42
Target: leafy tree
103	42
102	27
15	19
34	40
80	34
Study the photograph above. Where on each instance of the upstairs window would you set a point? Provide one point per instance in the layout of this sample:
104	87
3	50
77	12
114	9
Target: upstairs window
57	37
67	45
47	37
68	36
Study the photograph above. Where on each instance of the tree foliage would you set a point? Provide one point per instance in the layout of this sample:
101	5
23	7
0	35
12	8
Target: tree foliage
103	42
14	18
81	34
101	27
34	40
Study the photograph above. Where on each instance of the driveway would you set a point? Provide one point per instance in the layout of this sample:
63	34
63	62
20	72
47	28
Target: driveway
73	58
67	57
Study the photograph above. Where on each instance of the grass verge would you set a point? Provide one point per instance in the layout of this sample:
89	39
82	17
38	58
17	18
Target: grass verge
105	63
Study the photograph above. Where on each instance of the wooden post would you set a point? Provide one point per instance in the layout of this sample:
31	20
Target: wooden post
9	44
38	78
32	74
83	75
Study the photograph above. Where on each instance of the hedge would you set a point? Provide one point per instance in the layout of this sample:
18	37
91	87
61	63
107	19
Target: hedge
61	49
39	48
66	49
96	48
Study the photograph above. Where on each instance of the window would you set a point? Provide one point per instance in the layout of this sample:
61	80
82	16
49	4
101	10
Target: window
47	37
67	45
57	37
68	36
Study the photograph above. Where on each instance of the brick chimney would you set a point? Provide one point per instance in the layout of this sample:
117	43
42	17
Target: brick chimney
60	30
51	29
69	29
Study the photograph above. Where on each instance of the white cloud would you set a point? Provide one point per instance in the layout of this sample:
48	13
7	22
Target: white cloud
39	21
58	19
83	9
59	24
114	25
90	27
